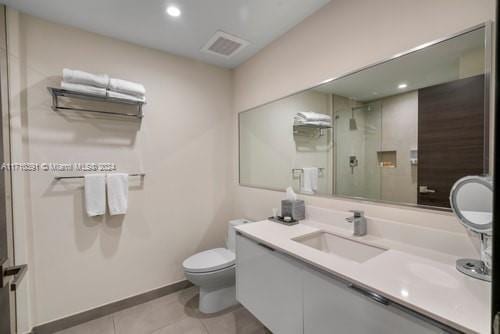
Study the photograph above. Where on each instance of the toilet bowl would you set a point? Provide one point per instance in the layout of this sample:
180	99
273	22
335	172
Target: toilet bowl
213	271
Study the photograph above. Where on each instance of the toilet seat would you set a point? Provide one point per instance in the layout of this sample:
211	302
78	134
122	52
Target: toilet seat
210	260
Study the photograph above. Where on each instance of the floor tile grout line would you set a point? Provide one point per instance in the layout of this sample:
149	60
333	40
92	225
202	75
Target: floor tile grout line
198	316
204	326
114	323
162	327
148	302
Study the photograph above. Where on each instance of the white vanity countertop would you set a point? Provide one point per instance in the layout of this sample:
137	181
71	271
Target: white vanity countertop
422	280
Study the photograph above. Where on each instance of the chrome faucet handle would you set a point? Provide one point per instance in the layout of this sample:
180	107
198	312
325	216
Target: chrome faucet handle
357	213
359	221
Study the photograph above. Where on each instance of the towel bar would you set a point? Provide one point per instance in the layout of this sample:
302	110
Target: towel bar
301	169
82	176
297	172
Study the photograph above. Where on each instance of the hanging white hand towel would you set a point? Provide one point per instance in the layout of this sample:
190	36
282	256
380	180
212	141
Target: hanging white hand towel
117	193
309	180
95	194
85	78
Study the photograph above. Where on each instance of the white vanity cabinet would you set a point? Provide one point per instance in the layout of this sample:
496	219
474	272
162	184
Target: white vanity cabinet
331	306
269	285
290	297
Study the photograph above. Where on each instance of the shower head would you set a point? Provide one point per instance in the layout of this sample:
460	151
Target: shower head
352	121
352	124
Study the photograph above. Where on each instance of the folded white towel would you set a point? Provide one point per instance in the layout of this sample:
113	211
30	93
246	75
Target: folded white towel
301	121
310	180
83	89
95	194
126	87
117	193
314	116
85	78
126	96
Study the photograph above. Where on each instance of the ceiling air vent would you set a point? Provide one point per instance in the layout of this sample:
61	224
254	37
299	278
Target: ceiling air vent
224	44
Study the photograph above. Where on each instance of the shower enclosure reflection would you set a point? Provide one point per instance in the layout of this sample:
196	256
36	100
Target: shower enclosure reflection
402	131
357	138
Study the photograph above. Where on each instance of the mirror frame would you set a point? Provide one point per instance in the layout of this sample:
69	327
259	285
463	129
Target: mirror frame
483	180
488	56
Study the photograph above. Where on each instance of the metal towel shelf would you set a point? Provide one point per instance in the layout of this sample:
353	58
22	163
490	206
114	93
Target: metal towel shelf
59	92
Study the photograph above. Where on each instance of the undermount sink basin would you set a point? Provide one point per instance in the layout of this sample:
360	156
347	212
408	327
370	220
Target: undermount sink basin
340	246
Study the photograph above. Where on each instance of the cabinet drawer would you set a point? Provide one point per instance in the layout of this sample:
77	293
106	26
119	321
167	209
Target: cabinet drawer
331	306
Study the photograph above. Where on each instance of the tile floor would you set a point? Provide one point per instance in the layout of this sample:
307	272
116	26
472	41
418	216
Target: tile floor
176	313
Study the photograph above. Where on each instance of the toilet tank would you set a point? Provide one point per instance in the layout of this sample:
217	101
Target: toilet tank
231	232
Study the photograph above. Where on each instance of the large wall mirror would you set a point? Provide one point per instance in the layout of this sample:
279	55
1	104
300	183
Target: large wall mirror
401	131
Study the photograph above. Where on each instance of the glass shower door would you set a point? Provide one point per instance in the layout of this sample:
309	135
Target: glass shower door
357	140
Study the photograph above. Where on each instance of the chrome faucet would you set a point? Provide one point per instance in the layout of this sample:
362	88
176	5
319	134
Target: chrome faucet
359	221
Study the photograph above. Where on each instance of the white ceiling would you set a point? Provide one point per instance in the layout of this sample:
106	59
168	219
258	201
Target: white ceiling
427	67
146	23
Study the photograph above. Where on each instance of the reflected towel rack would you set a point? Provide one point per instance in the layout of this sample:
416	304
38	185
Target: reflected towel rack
301	170
320	128
83	176
59	92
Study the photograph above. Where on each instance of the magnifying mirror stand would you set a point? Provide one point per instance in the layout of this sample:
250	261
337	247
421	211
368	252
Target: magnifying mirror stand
478	268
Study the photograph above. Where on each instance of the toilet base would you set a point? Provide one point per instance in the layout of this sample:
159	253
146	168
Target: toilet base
215	300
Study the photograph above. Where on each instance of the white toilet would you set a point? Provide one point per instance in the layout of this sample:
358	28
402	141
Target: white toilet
213	271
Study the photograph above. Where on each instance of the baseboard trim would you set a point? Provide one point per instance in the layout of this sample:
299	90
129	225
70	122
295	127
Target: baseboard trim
101	311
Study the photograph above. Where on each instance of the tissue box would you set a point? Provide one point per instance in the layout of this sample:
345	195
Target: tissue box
293	208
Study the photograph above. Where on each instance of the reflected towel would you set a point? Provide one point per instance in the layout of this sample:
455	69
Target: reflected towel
118	95
301	121
85	78
91	90
309	180
95	194
117	193
127	87
314	116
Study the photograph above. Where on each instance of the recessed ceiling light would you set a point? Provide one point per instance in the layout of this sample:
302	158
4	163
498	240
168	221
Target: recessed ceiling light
402	86
173	11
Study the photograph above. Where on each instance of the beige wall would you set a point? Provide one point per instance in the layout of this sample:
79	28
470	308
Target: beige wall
183	144
344	36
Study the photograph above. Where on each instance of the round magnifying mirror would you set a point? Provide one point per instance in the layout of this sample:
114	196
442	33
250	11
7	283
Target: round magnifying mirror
471	199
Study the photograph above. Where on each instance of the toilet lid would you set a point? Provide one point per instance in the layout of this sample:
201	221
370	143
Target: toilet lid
210	260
